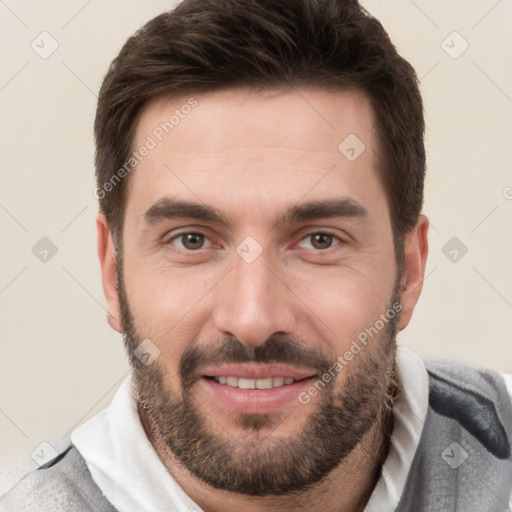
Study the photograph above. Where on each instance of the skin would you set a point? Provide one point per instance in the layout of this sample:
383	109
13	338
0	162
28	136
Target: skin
252	156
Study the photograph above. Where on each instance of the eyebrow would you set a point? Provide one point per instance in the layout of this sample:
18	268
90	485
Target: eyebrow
167	208
323	209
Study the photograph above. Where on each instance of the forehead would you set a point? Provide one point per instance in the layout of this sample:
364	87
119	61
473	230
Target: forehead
243	148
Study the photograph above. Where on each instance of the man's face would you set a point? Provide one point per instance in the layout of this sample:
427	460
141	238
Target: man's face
263	287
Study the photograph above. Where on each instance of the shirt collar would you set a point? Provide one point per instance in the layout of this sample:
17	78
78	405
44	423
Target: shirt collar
129	472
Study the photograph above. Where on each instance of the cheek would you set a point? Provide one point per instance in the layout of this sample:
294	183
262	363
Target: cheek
345	302
168	306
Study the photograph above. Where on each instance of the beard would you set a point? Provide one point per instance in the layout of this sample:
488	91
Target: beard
255	460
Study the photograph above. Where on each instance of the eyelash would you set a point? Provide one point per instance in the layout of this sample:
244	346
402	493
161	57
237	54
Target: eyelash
180	235
322	232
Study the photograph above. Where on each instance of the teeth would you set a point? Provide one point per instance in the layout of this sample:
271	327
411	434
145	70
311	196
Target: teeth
232	381
264	383
267	383
247	383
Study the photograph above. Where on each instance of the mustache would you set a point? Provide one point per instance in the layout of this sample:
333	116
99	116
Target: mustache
276	349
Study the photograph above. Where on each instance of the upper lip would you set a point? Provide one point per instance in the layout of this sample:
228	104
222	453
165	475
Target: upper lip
258	371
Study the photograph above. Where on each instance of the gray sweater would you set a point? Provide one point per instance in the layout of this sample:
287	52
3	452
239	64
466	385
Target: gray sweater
463	461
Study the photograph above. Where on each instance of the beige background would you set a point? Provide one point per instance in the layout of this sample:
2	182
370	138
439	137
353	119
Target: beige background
61	363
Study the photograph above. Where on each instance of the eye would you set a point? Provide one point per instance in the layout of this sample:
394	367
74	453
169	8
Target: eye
321	240
189	241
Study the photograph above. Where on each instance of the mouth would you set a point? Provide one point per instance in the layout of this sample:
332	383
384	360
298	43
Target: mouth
244	383
256	389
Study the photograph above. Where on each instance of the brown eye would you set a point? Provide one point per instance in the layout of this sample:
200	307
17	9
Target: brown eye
190	241
321	240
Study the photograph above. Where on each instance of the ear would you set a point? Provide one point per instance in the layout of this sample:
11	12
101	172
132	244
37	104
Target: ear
415	255
108	264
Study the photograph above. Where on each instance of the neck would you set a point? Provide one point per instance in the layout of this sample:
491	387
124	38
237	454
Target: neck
348	487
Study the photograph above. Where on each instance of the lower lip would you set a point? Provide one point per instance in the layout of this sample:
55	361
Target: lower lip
255	401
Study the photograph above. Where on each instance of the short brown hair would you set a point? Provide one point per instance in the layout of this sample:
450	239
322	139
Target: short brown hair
207	45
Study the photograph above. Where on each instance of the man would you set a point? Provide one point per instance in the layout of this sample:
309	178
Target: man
260	171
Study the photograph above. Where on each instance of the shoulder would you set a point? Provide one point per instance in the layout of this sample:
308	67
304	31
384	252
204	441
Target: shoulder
476	398
462	461
62	484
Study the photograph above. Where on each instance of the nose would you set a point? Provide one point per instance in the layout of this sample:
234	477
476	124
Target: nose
254	302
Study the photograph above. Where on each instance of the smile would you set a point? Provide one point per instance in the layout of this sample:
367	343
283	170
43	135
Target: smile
255	388
241	383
